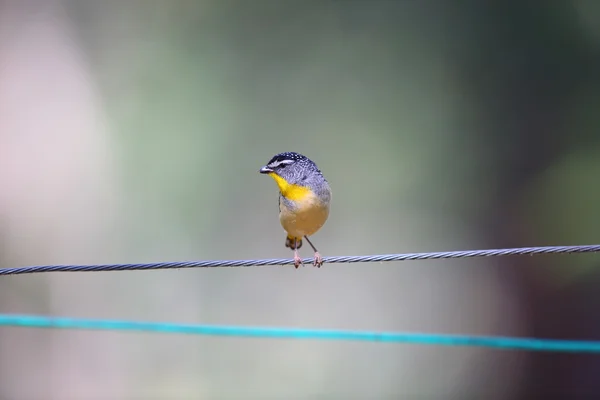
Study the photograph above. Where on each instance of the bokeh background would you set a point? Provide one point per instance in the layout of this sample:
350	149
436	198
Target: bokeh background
132	131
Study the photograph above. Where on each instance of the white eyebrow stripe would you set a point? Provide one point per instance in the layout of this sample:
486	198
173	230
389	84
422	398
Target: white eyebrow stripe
276	164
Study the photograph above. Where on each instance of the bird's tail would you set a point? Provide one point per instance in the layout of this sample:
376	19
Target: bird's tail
290	241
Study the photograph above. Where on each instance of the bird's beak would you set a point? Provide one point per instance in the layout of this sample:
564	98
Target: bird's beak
265	170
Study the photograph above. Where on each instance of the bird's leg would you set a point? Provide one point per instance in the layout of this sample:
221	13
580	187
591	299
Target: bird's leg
318	259
297	259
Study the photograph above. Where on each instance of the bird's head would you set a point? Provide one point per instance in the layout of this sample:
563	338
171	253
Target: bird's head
293	173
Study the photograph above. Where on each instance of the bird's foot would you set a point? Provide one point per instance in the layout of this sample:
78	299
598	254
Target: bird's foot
297	260
318	260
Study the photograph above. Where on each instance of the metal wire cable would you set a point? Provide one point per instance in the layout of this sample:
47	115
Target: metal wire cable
307	261
494	342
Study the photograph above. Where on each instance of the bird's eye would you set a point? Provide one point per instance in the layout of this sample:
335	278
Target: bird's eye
280	164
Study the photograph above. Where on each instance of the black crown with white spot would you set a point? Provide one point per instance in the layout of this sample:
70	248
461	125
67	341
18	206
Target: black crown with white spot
280	163
285	158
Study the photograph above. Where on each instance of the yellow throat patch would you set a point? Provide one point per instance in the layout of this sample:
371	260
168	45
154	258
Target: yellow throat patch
290	191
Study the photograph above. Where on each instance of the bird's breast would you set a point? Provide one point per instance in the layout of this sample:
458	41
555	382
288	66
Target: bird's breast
303	217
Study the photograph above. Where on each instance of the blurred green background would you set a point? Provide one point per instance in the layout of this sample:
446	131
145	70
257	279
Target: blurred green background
133	131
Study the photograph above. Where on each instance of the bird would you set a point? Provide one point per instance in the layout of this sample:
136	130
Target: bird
304	199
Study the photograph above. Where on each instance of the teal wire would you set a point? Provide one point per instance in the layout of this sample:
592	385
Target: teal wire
494	342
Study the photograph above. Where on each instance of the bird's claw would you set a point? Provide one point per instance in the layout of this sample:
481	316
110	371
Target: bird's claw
318	260
297	261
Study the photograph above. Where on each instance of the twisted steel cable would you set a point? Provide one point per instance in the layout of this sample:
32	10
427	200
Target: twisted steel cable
307	261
